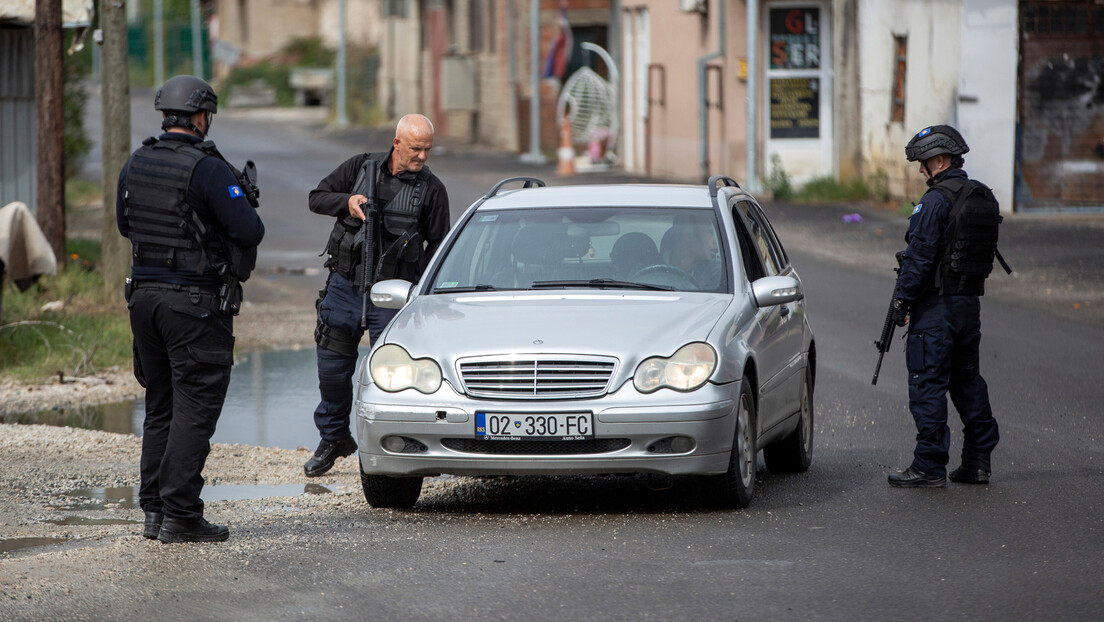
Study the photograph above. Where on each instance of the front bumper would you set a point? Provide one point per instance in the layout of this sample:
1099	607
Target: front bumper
443	428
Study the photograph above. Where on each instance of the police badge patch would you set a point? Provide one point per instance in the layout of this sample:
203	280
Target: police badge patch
235	191
916	209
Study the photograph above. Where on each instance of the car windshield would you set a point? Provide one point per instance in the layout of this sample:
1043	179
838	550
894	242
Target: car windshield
588	247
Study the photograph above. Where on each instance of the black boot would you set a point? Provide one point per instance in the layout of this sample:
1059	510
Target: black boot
198	530
964	475
327	453
911	478
153	525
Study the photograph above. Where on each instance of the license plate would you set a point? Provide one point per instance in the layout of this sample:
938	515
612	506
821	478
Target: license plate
534	427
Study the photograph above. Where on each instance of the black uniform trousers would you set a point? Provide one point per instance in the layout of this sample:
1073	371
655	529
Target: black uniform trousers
183	352
942	356
340	306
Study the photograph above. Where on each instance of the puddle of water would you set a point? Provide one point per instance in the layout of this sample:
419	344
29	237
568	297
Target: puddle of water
118	417
126	497
7	545
270	403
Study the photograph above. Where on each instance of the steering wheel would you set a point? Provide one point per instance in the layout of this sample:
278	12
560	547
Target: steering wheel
668	275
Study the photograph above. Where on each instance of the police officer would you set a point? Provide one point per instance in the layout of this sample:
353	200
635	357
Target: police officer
193	230
409	218
944	319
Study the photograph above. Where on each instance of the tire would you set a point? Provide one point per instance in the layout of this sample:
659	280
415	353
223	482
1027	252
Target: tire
735	487
794	453
384	491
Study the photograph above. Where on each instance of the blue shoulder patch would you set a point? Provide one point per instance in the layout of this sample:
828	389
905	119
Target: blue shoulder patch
924	132
916	209
235	192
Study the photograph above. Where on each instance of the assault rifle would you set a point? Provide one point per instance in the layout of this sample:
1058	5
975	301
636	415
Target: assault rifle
247	177
366	185
886	339
884	342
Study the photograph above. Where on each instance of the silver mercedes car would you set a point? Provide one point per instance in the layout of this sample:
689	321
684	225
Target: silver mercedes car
576	330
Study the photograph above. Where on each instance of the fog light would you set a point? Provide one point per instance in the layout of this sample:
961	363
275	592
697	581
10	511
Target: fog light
681	444
394	444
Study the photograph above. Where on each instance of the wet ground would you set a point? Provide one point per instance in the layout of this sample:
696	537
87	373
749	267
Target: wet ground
270	403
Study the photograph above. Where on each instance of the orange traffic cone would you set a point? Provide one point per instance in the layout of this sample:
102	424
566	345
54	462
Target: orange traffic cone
566	153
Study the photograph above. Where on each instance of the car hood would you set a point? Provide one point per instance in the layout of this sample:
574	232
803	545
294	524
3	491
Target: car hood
558	322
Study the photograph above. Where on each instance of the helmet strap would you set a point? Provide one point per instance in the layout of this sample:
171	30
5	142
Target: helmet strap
175	120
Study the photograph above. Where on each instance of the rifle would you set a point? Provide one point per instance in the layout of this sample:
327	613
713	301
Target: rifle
884	342
366	185
247	177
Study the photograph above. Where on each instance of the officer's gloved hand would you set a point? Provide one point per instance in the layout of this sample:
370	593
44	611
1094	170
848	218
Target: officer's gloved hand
900	311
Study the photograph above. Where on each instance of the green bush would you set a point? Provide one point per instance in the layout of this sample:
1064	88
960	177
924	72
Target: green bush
308	52
266	72
778	182
830	190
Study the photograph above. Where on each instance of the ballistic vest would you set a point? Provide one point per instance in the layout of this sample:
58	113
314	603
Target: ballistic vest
398	244
164	230
970	238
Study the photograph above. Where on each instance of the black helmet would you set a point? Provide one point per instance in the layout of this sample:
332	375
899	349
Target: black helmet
932	141
186	94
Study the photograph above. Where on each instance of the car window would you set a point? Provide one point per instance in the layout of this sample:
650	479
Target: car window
761	241
677	249
780	251
753	264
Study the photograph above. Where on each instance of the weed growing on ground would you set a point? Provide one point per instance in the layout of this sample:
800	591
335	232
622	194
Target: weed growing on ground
63	324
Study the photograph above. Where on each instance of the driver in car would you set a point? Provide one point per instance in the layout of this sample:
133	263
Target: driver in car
693	250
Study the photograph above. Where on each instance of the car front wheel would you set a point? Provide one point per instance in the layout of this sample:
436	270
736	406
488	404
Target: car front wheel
735	487
384	491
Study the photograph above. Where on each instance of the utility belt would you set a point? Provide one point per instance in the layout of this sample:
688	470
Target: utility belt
227	301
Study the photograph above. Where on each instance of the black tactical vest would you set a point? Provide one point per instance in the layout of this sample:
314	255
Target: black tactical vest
398	244
970	238
164	230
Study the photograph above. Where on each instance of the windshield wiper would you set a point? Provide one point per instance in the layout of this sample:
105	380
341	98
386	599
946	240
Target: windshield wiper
599	284
482	287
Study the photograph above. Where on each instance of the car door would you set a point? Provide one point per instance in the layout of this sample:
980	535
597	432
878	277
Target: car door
778	351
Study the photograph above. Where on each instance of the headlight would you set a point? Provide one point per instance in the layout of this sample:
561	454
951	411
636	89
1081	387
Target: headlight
685	370
393	370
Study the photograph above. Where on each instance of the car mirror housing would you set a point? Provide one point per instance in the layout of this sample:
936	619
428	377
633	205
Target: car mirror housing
391	294
770	291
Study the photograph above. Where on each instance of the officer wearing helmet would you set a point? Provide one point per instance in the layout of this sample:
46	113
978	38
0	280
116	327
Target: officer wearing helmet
194	231
944	331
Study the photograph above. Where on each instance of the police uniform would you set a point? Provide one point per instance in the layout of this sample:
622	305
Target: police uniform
182	207
942	350
412	208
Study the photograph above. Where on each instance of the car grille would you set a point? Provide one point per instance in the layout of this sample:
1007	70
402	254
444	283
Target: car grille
537	378
535	448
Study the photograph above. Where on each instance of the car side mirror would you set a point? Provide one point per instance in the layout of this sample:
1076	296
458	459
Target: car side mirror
770	291
392	293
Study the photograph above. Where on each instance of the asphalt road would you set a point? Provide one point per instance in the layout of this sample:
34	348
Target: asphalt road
835	543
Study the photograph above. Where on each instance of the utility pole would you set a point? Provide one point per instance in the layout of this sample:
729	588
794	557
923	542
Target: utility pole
534	156
197	41
115	95
342	114
50	124
158	43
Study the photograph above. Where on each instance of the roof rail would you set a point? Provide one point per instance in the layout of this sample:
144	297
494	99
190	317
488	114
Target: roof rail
529	183
712	183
